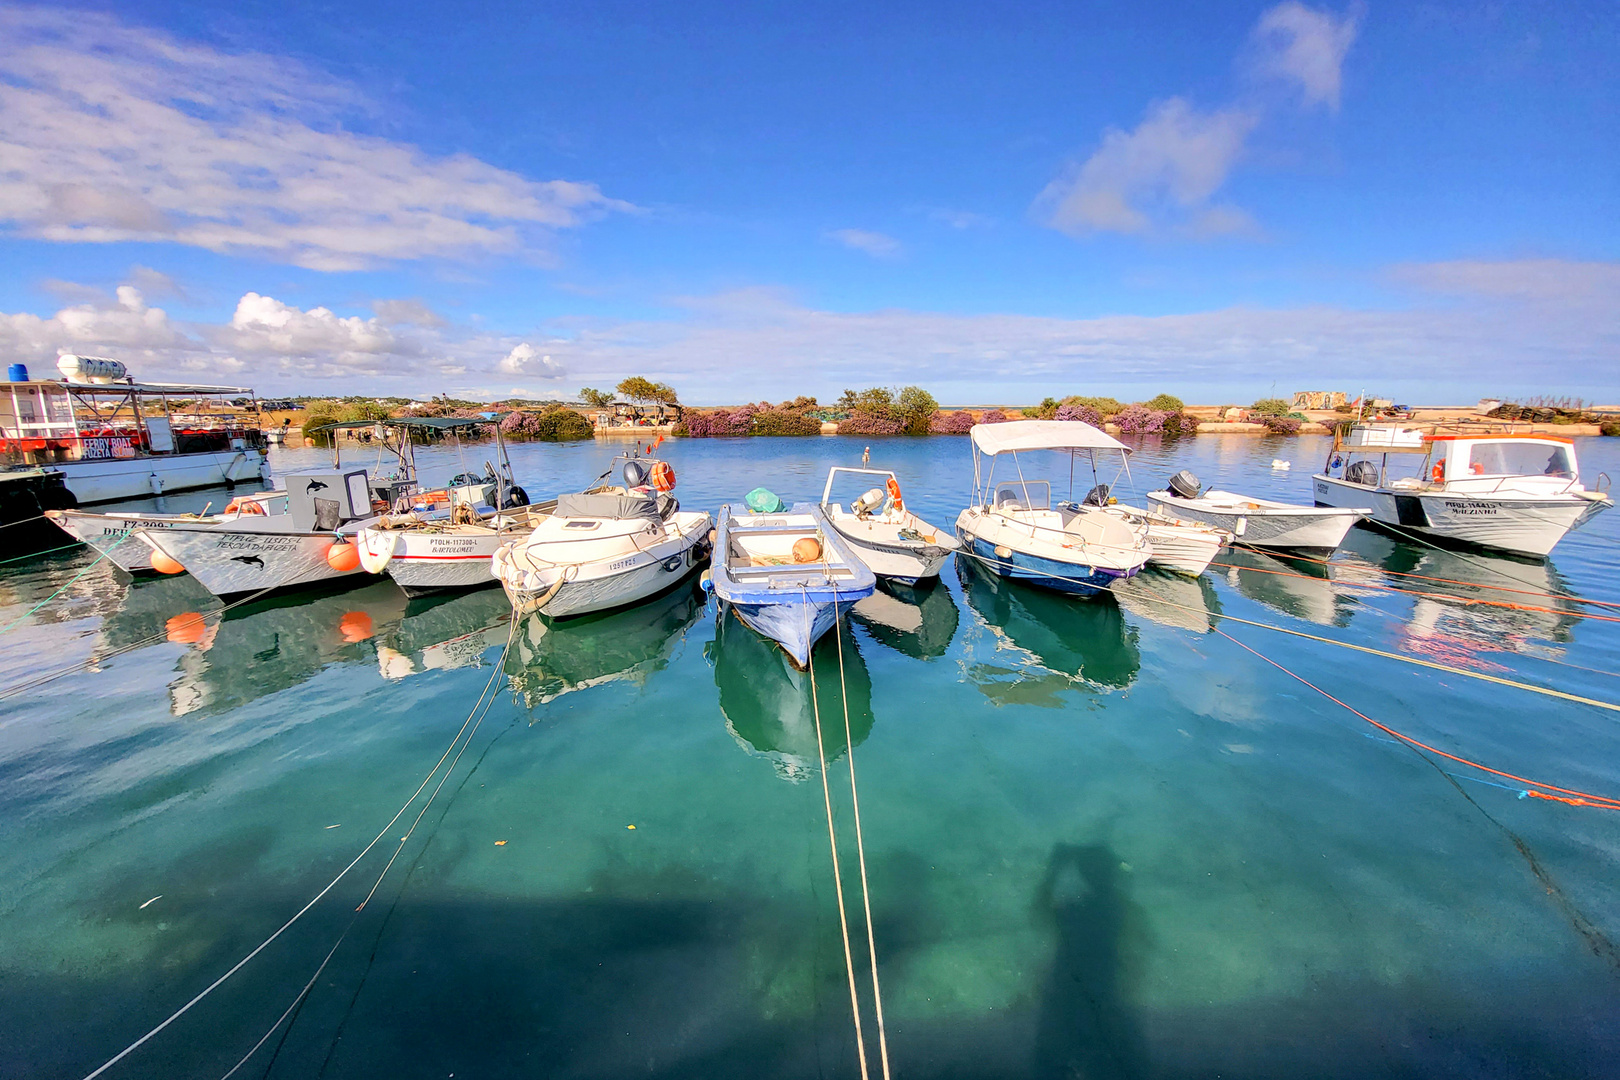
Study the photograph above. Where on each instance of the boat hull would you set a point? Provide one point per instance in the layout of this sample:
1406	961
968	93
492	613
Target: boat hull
1522	525
422	563
796	624
231	563
110	479
894	562
606	585
1182	550
112	536
1077	579
1309	529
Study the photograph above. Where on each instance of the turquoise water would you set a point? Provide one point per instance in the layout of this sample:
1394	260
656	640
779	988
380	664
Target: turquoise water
1101	840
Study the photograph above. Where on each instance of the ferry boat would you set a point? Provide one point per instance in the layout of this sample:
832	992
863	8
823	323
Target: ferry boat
1509	491
113	438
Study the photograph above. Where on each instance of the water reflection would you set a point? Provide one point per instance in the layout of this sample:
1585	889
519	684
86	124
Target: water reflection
1052	643
443	632
767	702
919	622
274	644
550	659
1170	599
1302	588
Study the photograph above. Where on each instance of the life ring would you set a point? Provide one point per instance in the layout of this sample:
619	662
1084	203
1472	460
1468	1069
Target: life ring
243	506
1438	472
894	494
662	476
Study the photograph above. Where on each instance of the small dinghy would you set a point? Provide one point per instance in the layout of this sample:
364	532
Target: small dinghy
606	547
787	575
896	543
1258	523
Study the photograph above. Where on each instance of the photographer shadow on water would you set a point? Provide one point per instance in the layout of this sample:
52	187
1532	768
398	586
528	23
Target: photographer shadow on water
1084	1026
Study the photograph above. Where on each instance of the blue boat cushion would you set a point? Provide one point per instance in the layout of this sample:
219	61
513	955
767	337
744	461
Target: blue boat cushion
607	507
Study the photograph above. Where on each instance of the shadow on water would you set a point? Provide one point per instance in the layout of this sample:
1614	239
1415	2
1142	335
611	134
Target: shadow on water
1065	643
1170	599
919	621
1299	587
549	659
768	704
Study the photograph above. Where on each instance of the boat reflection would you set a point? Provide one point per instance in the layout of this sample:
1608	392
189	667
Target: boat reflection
1046	643
441	632
1303	588
1170	599
919	622
550	659
1465	603
767	701
274	644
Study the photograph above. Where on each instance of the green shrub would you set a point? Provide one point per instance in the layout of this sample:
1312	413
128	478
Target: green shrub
1610	428
1271	406
1165	403
916	407
1046	410
785	422
1104	406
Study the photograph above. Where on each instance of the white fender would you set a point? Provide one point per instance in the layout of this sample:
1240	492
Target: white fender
376	548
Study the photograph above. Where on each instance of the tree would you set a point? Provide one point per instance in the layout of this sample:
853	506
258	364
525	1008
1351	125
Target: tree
637	388
916	407
664	394
1165	403
595	398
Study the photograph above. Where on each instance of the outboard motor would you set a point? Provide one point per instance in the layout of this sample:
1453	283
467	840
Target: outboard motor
635	474
1097	496
1184	485
869	502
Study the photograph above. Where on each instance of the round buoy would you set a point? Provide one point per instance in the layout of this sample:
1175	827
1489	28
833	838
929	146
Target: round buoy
165	565
343	556
1003	552
185	628
356	626
806	550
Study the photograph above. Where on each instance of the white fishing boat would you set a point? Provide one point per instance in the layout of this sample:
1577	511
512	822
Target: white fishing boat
1508	491
1014	530
604	548
1254	522
114	438
1184	547
896	543
112	535
788	576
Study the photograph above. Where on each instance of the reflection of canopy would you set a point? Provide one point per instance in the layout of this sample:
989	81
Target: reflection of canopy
1042	435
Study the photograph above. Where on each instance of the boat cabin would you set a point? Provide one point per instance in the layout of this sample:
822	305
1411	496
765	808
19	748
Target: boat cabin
1393	457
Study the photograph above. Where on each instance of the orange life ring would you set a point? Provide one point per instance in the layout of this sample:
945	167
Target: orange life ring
894	493
1438	472
243	506
662	476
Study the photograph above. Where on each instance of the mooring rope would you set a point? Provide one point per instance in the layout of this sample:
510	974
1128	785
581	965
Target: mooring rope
19	620
832	835
132	1047
860	846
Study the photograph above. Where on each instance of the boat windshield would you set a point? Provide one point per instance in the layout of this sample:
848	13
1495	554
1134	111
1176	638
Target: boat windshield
1520	459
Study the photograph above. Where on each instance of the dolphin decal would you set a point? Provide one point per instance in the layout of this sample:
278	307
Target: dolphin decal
248	560
314	486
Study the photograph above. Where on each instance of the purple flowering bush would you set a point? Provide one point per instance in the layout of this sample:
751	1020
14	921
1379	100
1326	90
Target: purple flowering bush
1280	425
952	423
994	416
1141	420
861	422
1084	413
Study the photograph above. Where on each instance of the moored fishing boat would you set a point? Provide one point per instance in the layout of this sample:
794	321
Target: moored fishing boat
1185	547
1012	528
896	543
1514	492
605	547
1254	522
787	575
111	535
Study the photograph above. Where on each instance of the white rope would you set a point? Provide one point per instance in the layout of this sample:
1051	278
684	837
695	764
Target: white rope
832	838
860	846
116	1058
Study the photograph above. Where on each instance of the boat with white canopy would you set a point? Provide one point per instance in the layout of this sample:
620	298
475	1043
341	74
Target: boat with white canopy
1013	528
896	543
1509	491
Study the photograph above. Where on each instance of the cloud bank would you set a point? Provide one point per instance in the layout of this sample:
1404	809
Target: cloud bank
110	132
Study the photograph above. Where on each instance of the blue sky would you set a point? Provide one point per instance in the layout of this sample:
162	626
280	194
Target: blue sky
764	200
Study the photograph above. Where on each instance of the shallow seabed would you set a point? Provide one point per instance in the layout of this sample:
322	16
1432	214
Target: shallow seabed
1101	839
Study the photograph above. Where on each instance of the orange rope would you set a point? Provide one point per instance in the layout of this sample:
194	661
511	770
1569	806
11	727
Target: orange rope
1567	795
1435	596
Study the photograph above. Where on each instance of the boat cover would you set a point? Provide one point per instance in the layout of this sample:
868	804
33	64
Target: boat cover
607	507
1042	435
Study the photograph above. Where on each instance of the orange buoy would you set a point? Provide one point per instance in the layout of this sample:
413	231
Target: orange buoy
165	565
356	626
806	550
185	628
343	556
663	476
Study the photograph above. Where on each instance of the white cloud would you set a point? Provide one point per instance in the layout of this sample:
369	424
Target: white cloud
875	244
264	326
1560	280
525	360
1307	47
407	313
121	324
1165	171
110	132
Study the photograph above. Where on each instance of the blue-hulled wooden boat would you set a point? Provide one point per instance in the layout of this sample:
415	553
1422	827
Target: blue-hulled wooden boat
787	575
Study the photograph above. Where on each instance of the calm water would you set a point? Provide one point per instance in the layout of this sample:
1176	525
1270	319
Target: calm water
1101	840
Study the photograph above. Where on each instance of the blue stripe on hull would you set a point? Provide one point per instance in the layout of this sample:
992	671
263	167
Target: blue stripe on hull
786	623
1047	573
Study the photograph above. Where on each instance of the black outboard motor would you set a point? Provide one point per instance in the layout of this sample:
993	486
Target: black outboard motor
635	474
1097	496
1184	485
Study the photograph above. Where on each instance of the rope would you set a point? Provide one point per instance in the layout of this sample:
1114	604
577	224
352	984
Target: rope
860	846
116	1058
832	838
1447	668
23	521
18	621
40	554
